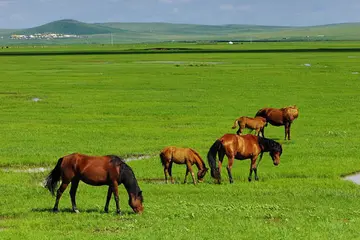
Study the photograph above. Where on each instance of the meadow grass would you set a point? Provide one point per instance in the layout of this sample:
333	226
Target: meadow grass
138	104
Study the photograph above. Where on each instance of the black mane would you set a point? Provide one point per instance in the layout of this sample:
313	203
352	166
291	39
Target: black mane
270	145
127	176
116	160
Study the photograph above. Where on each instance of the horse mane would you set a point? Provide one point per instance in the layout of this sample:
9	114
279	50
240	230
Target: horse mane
127	176
116	160
198	155
270	145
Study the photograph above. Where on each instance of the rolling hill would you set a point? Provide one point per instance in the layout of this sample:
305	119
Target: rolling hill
159	32
69	26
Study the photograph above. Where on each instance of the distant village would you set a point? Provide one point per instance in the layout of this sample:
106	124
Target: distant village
43	36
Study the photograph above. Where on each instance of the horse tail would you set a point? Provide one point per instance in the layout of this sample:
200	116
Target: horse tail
54	177
236	123
163	158
211	156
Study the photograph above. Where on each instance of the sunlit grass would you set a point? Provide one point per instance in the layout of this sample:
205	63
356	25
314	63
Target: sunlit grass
137	104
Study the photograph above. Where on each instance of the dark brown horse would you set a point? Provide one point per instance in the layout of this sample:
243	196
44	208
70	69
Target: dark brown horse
256	123
105	170
188	156
241	147
279	117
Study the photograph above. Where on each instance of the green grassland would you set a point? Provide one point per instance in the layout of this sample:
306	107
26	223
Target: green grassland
129	104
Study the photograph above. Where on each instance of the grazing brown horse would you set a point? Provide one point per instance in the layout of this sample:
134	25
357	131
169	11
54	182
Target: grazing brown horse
105	170
256	123
241	147
278	117
188	156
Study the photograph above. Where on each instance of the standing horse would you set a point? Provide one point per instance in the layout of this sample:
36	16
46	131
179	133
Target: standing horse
188	156
105	170
278	117
256	123
241	147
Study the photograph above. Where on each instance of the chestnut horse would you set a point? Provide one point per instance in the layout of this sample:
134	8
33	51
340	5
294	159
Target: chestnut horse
279	117
105	170
241	147
188	156
256	123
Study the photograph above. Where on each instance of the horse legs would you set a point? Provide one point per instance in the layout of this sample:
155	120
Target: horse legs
262	132
170	172
238	132
287	130
253	168
186	174
108	197
229	167
166	172
74	186
115	190
59	192
189	169
241	127
221	155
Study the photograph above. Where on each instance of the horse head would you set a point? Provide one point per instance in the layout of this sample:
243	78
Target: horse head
275	152
291	113
201	174
135	202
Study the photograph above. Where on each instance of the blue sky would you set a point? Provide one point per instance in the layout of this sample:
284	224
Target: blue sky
31	13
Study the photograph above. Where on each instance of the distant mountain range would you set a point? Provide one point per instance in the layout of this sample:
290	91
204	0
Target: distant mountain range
157	32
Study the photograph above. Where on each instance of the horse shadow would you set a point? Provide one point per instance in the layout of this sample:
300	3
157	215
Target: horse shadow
69	210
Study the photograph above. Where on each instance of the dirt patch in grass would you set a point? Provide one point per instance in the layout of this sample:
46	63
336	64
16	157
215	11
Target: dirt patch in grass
127	158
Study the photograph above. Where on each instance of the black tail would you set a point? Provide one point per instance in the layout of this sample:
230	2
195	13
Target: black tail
162	159
54	177
211	156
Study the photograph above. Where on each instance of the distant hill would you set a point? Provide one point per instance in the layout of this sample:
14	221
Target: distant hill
171	28
69	26
160	32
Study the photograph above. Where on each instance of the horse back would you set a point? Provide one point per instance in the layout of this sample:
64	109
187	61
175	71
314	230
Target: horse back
254	123
93	170
241	147
176	154
274	116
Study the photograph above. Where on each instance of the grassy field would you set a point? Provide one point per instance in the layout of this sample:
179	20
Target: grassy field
138	104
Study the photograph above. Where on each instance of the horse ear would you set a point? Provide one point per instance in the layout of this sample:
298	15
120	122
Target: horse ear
140	193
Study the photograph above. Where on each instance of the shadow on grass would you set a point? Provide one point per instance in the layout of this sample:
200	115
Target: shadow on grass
91	210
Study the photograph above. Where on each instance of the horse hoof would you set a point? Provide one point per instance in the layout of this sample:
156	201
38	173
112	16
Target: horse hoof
76	211
55	210
249	179
118	213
